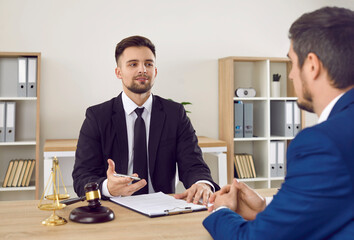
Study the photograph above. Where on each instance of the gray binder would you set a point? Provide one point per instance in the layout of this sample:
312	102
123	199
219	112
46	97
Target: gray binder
238	119
10	121
281	118
2	121
248	120
32	77
22	77
273	159
280	158
297	118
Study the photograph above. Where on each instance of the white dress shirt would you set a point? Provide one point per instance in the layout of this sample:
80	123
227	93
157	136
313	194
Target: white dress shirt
130	116
327	110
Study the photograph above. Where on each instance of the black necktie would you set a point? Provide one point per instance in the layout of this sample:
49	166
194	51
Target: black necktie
140	153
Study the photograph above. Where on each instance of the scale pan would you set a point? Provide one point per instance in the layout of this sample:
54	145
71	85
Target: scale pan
60	196
51	206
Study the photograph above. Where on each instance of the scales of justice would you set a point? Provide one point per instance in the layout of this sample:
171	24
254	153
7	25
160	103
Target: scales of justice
93	213
54	197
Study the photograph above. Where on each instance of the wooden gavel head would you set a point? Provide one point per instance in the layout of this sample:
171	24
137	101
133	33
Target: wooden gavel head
94	212
93	195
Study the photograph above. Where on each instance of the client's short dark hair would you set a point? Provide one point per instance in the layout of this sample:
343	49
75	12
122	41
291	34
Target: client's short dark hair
133	41
328	33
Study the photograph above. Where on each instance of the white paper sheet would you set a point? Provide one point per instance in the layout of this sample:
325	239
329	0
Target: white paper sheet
157	204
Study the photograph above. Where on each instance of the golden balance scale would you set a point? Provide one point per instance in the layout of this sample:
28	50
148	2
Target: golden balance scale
53	183
93	213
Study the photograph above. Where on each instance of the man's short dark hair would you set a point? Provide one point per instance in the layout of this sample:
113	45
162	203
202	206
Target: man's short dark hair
133	41
328	33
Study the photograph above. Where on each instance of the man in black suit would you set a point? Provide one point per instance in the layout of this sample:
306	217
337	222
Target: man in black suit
107	144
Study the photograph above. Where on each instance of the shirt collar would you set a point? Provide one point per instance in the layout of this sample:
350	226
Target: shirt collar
129	106
325	113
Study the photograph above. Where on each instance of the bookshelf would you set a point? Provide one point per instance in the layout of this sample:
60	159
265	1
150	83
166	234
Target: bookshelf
257	73
27	122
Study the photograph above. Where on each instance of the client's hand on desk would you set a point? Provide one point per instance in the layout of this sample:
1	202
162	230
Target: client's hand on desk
120	186
196	192
239	198
226	196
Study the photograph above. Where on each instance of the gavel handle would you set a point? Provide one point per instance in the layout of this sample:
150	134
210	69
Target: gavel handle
73	200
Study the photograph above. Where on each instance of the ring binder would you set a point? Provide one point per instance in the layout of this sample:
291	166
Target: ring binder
2	121
22	77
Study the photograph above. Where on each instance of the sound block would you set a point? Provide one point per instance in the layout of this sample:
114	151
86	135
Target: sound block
91	215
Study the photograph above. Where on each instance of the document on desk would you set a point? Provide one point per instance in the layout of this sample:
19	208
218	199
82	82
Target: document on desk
157	204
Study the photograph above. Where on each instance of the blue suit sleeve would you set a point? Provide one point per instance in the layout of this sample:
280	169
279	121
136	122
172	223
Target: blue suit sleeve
313	202
224	224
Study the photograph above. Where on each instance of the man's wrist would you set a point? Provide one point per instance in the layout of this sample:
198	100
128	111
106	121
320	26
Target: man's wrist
220	207
212	188
105	191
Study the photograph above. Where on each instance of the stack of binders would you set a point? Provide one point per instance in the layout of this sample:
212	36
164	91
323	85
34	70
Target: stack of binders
27	77
19	173
7	121
285	118
244	166
277	159
243	120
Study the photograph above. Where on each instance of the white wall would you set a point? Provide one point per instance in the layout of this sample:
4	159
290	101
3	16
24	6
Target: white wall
77	40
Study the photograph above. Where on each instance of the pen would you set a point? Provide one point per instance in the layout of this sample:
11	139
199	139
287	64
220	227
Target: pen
123	175
178	210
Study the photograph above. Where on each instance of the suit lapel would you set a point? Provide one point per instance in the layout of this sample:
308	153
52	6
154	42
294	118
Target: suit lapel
156	126
119	123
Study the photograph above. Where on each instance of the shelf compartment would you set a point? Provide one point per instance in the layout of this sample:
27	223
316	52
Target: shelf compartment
15	152
252	74
9	75
256	149
25	120
17	193
260	123
281	68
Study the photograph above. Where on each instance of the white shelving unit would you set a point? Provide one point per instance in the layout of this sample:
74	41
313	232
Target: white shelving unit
26	144
252	72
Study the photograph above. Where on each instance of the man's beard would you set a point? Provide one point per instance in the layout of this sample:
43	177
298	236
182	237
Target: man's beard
139	88
307	102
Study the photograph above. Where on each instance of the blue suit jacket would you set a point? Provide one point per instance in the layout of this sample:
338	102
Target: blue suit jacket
172	140
316	200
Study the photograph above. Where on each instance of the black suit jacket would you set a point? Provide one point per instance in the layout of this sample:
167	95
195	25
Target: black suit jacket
172	140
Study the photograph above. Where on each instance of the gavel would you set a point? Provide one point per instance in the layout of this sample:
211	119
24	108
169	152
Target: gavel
92	195
94	212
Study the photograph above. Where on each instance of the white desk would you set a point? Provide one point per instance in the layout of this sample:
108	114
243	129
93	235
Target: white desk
65	149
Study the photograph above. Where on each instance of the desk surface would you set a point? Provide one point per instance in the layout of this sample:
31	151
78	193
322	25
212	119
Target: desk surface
57	145
22	220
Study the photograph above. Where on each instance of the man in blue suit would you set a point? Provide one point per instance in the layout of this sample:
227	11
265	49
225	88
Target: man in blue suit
316	200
